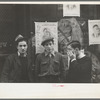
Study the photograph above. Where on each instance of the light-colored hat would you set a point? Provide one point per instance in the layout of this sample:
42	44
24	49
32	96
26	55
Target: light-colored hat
46	38
18	37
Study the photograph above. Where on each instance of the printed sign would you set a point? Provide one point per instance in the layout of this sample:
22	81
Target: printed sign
94	31
71	10
43	29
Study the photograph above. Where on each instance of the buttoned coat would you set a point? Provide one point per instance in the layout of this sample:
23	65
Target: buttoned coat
12	69
43	65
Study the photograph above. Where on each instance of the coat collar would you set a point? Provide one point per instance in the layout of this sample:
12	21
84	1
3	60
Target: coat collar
23	55
52	53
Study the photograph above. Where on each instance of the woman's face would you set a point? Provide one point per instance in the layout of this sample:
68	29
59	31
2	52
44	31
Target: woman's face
22	47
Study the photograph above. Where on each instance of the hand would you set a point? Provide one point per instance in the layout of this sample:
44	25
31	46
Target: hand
72	55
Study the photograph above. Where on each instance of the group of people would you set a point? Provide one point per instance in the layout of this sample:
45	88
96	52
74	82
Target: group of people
49	66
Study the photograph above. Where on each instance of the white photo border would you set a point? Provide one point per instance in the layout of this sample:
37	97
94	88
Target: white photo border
56	90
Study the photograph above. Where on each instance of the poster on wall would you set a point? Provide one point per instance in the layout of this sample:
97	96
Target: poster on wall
94	31
71	10
44	29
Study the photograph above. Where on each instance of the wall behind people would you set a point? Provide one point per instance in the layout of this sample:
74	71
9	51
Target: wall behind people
20	18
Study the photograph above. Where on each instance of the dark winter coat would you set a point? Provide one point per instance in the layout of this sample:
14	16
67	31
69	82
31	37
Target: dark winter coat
12	70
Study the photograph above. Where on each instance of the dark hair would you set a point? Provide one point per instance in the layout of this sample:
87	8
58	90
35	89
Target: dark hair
75	44
95	25
20	40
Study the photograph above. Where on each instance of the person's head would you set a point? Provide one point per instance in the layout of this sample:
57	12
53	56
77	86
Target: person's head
22	45
75	46
96	29
71	6
48	44
46	31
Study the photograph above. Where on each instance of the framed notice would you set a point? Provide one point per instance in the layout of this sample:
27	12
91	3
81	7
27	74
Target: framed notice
71	10
45	28
94	31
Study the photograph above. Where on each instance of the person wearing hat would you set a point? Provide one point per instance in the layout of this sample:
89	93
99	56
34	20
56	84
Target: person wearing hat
80	65
17	67
49	64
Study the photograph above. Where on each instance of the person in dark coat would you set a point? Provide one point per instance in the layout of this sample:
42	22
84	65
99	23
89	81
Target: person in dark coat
80	65
49	64
17	67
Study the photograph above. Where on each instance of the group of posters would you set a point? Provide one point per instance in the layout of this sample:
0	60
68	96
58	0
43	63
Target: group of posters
44	28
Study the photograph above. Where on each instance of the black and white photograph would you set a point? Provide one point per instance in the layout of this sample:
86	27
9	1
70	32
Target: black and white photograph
71	10
94	32
44	47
